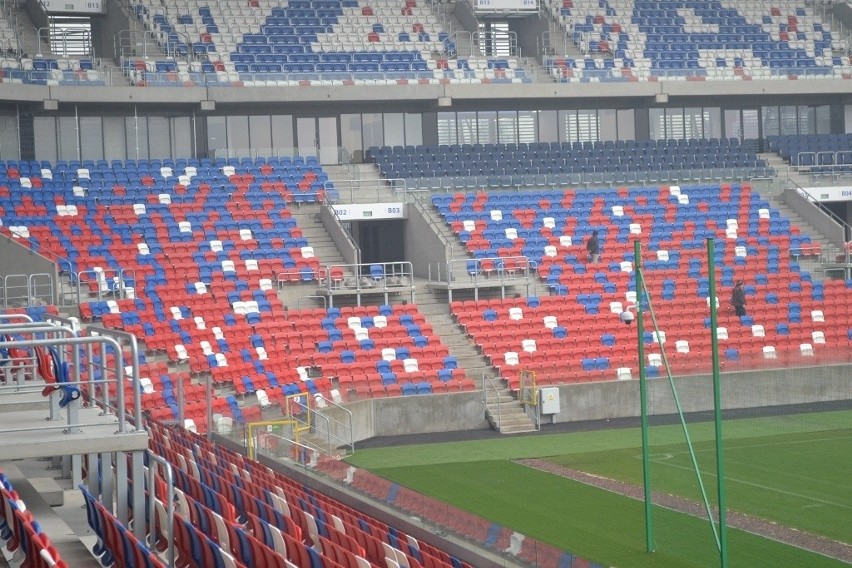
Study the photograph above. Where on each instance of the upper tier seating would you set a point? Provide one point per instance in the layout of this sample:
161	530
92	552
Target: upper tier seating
562	164
307	42
640	40
815	150
753	242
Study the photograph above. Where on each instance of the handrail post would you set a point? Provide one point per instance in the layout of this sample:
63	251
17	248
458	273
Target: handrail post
169	505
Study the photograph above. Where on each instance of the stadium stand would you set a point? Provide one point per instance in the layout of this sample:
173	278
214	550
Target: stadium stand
642	41
184	248
754	244
306	43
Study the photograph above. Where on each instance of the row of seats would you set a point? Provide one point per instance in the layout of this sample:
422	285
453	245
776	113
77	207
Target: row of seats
565	158
21	533
830	150
279	522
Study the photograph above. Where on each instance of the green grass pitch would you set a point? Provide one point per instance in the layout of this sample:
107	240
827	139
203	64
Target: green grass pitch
791	470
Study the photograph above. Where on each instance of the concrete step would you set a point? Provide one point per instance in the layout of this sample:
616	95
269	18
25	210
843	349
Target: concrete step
65	522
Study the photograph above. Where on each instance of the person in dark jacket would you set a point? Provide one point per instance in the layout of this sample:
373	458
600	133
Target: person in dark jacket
738	298
594	247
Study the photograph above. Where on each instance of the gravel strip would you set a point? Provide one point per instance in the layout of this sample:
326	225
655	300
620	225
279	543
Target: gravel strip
755	525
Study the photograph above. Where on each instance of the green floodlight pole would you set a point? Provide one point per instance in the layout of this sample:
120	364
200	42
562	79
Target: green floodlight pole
717	405
643	397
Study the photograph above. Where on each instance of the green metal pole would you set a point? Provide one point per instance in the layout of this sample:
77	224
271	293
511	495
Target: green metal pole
643	398
717	406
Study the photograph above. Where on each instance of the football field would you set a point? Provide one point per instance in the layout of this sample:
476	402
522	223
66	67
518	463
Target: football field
793	471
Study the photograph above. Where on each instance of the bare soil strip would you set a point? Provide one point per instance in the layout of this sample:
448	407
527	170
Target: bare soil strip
794	537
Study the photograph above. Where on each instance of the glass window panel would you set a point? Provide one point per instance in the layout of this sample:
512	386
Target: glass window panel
674	123
657	123
282	134
693	123
566	119
91	138
467	128
807	120
413	129
394	129
217	140
447	128
67	136
626	124
771	120
45	138
751	124
507	126
822	119
548	126
260	135
372	128
847	118
527	126
9	138
115	138
789	120
587	126
487	121
350	134
608	126
712	122
182	137
238	136
158	137
733	126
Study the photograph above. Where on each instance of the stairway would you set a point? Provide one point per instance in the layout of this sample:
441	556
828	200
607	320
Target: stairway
775	197
307	216
503	411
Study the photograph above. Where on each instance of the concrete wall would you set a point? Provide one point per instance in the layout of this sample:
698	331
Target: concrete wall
16	259
814	215
422	244
599	401
338	235
411	415
595	401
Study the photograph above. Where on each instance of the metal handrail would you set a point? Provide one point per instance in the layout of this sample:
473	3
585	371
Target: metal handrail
328	421
485	385
74	341
132	343
351	442
350	240
169	504
361	271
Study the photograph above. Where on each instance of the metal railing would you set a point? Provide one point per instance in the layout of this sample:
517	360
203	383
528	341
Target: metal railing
488	386
325	426
645	177
167	531
365	278
27	290
73	342
66	42
99	284
126	341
